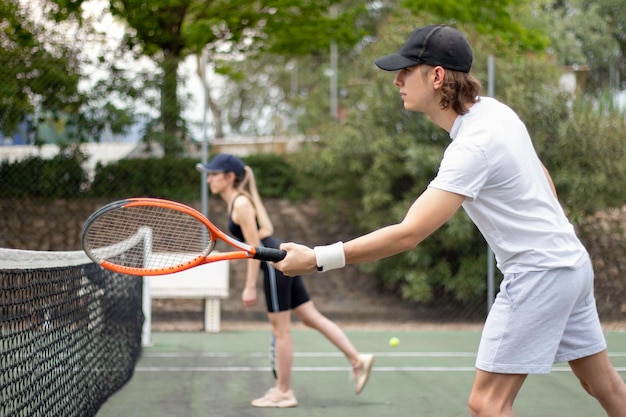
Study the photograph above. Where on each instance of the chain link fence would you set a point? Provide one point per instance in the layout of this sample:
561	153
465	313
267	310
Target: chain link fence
32	126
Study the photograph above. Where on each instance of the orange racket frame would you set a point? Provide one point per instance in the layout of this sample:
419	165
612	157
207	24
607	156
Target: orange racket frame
119	224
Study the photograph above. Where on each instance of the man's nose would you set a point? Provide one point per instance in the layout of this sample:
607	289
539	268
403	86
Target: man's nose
397	81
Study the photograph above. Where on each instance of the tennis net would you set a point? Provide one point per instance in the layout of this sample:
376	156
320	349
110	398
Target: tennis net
70	333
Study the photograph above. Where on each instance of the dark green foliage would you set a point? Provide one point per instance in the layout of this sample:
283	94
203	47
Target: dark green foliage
275	177
36	74
496	18
59	177
171	178
177	178
588	160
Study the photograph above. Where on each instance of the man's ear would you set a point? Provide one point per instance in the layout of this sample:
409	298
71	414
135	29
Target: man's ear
439	75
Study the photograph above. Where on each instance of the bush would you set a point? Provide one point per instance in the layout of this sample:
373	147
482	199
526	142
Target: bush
177	179
171	178
59	177
275	177
587	160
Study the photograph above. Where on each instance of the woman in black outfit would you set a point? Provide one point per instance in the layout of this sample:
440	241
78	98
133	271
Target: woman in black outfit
248	221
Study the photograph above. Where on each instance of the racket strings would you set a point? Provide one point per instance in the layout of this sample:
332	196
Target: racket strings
172	238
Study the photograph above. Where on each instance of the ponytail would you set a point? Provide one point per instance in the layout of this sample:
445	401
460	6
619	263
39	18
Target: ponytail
248	181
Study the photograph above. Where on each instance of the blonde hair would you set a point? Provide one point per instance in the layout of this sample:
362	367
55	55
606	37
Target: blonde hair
246	185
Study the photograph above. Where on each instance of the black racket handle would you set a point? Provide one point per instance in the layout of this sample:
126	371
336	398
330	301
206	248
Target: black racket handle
269	254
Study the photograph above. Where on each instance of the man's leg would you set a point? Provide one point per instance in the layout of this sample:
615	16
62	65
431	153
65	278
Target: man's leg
600	379
493	394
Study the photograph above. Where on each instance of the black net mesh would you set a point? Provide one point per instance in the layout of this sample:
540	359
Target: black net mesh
70	337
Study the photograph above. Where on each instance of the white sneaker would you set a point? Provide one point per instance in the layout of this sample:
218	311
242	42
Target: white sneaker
275	399
362	372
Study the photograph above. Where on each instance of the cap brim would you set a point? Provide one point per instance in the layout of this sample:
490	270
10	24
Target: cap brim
205	168
394	62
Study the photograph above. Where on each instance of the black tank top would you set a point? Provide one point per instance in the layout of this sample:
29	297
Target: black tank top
237	233
234	229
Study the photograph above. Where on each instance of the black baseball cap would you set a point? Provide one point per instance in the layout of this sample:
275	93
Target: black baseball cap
433	45
223	162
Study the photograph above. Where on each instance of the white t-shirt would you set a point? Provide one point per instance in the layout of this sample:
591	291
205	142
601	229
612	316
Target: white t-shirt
492	162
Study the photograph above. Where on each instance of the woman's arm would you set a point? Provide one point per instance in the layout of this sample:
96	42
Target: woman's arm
244	215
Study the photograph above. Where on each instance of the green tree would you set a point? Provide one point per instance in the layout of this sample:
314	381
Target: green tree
296	88
40	72
589	36
169	30
497	18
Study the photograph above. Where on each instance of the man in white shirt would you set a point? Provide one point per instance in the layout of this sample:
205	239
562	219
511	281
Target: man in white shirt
545	310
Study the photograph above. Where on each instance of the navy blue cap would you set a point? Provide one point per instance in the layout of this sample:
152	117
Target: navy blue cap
223	162
432	45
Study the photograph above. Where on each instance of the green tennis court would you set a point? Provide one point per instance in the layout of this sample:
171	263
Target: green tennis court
428	374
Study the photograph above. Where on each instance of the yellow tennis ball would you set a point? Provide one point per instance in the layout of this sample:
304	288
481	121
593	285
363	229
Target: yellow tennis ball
394	341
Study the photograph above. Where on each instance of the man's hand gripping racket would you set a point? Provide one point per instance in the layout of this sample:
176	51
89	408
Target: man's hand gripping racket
299	260
176	237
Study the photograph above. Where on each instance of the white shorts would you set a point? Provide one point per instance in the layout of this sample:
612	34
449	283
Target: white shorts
541	318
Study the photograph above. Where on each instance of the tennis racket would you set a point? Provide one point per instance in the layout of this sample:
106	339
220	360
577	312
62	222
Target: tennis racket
175	237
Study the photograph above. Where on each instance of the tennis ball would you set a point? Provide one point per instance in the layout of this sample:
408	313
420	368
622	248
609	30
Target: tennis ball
394	341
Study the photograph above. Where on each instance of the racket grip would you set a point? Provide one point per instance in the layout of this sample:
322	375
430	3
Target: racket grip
269	254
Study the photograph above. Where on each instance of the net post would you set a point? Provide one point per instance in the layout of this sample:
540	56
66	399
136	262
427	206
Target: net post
212	315
146	301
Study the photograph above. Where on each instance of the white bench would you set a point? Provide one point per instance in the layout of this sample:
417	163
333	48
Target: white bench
209	282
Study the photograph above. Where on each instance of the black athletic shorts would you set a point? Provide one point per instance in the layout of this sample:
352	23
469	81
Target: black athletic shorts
282	293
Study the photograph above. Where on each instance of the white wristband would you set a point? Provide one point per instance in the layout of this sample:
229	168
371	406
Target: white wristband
330	257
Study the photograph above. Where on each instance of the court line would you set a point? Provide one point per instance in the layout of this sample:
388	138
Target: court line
323	369
307	354
556	368
297	369
323	354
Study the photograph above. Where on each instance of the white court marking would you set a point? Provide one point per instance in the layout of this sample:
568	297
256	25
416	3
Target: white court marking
561	368
309	354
